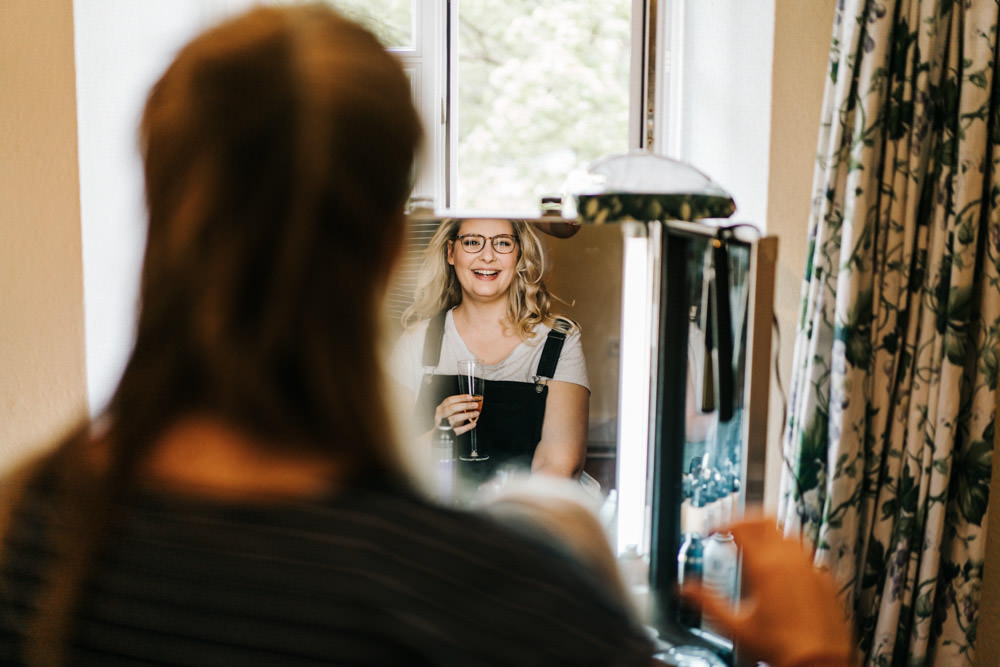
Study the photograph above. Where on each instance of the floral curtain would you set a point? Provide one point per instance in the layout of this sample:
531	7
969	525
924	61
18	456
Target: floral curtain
889	436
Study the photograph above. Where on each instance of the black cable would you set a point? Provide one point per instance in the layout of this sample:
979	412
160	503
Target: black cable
727	232
800	505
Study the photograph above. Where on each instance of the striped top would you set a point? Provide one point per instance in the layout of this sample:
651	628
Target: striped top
367	577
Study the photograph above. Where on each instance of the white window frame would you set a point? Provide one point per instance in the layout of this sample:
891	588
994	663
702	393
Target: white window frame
657	82
424	63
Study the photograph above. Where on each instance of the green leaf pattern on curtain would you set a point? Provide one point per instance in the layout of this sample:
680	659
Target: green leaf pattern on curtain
889	438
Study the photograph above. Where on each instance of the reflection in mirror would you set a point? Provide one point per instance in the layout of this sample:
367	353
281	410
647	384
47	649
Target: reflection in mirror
668	319
721	278
714	413
565	328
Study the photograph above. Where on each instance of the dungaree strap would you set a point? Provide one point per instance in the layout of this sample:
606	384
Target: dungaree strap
432	343
550	353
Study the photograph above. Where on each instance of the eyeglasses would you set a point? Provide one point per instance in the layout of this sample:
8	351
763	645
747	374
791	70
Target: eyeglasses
473	243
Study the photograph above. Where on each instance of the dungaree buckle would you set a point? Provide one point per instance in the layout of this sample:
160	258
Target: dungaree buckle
540	383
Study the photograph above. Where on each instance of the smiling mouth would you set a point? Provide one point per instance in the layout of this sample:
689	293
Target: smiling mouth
485	273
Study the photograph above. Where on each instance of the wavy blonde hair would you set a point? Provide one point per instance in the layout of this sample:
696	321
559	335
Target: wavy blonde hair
528	299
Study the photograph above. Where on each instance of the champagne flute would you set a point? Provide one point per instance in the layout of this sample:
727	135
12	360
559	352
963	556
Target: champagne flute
470	381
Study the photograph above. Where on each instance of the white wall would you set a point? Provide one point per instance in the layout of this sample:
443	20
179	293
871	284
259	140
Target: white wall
42	387
726	100
122	46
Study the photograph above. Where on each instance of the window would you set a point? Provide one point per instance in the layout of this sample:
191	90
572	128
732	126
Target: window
393	21
722	127
540	89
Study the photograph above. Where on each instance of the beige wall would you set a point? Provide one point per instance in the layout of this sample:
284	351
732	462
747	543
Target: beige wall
801	52
42	374
586	278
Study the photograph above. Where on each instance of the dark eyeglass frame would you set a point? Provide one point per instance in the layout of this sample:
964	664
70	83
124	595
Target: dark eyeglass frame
484	239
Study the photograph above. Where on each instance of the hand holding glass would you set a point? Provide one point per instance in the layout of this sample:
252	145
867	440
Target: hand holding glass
470	381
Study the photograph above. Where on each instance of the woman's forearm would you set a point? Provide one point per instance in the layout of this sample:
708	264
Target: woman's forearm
558	466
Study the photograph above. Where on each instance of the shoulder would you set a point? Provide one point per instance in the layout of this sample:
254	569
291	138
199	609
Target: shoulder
549	602
569	330
415	332
565	325
29	484
571	366
404	360
410	342
443	322
556	323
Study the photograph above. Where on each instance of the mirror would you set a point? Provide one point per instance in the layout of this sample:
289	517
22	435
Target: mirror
678	395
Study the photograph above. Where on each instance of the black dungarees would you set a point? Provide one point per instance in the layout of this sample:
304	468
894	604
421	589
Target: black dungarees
510	424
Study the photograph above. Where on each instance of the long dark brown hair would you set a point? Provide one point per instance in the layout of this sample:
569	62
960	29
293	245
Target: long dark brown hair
278	149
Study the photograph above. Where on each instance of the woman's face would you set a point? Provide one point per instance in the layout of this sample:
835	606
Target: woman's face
485	275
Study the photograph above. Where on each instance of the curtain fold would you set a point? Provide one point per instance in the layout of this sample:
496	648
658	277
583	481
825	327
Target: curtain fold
889	437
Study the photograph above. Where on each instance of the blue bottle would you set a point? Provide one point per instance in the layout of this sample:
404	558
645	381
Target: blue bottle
691	557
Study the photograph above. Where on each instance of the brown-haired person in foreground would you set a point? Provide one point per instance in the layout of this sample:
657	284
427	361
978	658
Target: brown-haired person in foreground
240	501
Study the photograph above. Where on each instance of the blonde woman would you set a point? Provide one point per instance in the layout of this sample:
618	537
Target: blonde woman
480	295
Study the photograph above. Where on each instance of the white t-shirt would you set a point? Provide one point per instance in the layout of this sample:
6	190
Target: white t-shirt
520	365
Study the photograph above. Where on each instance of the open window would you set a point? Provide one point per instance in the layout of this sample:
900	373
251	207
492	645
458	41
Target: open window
519	97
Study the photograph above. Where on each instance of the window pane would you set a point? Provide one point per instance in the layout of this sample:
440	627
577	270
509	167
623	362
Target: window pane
390	20
543	90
